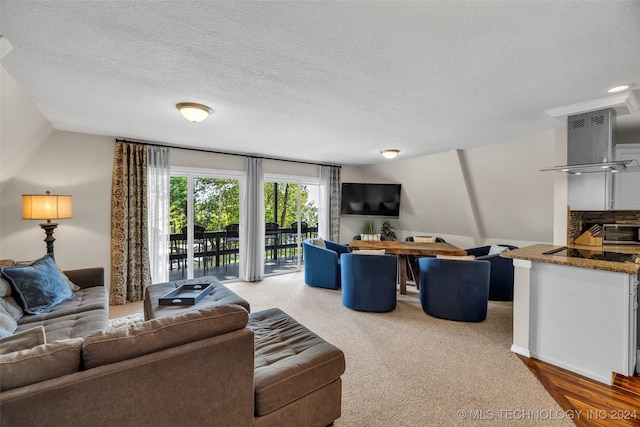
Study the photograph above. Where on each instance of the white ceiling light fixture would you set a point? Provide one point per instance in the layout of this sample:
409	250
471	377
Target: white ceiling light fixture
389	154
620	88
194	112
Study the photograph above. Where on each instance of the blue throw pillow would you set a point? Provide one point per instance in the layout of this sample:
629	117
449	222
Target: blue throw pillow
38	286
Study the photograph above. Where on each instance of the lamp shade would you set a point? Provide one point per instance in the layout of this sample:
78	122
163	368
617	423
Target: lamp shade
194	112
46	206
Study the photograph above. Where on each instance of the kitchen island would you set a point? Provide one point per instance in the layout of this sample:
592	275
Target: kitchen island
578	313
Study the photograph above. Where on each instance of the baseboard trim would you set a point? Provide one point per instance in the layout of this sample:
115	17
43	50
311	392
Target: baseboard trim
520	350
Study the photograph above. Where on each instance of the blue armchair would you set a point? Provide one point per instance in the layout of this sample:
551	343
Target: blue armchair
369	282
322	264
501	280
411	259
454	289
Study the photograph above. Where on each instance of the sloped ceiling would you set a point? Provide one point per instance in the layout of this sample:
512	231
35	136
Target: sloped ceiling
332	82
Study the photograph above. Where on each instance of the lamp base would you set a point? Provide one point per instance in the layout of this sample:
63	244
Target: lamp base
48	228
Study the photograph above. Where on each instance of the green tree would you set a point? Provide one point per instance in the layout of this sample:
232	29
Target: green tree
217	203
178	203
287	198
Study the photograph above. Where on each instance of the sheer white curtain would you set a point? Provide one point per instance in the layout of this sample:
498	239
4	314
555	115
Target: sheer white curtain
158	181
324	211
252	223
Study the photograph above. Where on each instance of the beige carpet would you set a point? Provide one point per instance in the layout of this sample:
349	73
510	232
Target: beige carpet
406	368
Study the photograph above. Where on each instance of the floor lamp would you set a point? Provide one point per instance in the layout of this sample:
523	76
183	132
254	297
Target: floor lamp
47	206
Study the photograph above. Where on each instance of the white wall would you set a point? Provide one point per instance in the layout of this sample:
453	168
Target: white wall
34	159
23	129
505	198
67	163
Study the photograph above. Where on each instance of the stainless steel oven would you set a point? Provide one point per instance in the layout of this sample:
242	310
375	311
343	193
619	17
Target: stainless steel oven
621	234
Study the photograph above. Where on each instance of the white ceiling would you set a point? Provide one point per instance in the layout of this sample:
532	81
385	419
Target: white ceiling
331	82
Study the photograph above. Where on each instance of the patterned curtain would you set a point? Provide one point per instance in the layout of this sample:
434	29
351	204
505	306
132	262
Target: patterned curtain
335	203
130	273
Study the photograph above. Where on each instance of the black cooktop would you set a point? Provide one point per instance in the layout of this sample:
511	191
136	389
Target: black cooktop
595	254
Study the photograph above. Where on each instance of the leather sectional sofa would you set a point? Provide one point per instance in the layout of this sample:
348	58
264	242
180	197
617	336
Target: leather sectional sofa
212	365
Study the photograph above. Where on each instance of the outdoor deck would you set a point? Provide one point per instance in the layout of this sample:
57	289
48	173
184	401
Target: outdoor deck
229	272
216	253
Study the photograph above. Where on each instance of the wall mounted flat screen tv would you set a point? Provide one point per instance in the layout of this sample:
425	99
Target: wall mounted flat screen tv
370	199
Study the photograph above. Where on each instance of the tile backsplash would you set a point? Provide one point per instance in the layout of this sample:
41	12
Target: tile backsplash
580	221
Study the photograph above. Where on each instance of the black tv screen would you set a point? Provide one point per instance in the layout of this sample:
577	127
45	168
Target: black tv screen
370	199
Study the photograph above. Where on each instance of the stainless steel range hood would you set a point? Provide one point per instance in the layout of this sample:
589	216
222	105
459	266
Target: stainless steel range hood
591	143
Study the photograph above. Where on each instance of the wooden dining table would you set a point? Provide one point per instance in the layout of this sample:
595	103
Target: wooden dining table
405	249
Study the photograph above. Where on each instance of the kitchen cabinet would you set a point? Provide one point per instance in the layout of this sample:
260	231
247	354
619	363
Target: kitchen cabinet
581	319
606	190
626	185
591	191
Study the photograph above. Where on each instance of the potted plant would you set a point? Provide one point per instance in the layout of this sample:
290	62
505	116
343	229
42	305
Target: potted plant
369	227
387	231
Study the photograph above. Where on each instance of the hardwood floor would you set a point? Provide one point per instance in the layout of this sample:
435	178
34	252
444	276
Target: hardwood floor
589	402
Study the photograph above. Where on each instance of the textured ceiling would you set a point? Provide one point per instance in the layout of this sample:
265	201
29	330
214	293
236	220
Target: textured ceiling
332	82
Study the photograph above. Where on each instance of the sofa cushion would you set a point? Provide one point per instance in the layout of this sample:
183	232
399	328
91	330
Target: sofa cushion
77	325
5	287
140	338
369	251
37	286
290	360
86	299
7	322
319	243
496	249
22	340
457	257
12	307
71	285
39	363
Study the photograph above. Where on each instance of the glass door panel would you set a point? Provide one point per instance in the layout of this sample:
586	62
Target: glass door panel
291	215
202	209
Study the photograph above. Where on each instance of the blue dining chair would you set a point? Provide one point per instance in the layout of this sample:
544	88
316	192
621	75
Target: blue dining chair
501	278
454	289
369	282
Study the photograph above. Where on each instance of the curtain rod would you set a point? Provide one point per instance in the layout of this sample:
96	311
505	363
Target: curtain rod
202	150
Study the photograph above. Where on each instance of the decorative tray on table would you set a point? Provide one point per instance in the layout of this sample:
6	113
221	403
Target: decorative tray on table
187	294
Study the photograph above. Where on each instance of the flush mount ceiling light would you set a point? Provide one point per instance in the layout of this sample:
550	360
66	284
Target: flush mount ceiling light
620	88
389	154
194	112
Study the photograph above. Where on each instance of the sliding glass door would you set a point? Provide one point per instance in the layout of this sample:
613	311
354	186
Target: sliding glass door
204	223
291	215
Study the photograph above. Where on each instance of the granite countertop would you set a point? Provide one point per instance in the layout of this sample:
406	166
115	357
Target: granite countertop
536	253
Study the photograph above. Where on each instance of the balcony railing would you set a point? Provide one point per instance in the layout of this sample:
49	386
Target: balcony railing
215	248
